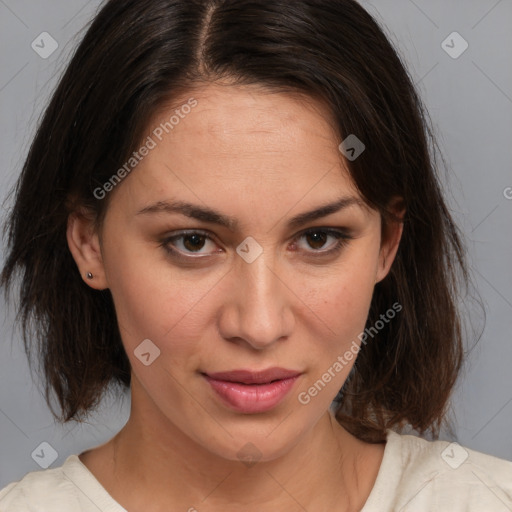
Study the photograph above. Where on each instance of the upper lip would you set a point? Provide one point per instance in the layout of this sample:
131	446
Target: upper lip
254	377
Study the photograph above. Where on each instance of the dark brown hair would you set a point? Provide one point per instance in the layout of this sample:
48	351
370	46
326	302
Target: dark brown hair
139	54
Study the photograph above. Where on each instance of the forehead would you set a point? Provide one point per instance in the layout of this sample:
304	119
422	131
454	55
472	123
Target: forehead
243	144
228	110
248	124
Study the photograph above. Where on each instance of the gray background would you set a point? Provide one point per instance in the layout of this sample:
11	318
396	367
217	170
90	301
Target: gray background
470	102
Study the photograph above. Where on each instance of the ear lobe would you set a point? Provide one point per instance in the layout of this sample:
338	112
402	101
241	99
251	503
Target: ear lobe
391	235
84	244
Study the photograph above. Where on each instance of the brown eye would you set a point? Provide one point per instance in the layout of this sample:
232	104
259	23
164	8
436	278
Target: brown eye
193	242
318	244
187	244
316	239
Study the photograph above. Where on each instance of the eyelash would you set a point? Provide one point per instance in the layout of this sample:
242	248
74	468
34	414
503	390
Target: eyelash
342	240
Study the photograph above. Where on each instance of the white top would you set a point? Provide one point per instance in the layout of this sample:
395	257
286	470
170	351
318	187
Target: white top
415	476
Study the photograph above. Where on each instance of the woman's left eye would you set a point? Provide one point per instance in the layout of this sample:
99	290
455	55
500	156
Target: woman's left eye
317	239
184	244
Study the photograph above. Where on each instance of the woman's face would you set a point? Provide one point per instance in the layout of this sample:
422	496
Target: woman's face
262	278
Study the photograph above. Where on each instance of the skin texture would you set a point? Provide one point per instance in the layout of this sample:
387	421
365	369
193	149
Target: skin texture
260	158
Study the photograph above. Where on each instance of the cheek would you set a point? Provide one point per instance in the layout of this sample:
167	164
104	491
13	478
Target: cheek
341	304
155	301
342	300
344	311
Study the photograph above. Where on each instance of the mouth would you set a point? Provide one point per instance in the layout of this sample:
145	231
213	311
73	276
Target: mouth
251	392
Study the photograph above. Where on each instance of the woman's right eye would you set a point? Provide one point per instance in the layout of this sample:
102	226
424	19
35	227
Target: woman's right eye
186	244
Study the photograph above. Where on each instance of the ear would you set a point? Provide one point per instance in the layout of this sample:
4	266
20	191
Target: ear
390	239
84	244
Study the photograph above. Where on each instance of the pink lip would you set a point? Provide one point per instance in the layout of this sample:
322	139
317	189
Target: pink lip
253	391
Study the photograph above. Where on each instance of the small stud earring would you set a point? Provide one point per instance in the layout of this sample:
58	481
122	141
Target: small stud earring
89	275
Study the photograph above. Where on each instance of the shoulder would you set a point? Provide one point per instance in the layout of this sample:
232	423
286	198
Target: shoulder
422	475
69	487
419	453
48	487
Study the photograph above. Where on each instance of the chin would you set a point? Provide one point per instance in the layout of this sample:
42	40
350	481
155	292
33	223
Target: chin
254	443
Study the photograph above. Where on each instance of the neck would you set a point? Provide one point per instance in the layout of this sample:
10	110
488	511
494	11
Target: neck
155	462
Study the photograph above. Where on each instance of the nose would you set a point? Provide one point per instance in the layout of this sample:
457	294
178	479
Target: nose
258	309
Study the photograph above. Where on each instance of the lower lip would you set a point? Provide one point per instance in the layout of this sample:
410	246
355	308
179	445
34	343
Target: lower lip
252	398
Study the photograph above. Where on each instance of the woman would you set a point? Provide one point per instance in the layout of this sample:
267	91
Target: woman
231	208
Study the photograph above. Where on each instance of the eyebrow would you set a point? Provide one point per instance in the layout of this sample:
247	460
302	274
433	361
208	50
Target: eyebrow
209	215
